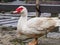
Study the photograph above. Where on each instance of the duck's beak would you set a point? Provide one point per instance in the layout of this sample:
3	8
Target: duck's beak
15	12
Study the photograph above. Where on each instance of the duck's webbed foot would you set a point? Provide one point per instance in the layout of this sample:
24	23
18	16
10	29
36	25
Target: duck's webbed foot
34	42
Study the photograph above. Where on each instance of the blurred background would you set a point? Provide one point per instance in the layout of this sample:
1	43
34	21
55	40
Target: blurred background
8	21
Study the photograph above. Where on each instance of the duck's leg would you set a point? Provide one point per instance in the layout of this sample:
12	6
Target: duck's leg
34	42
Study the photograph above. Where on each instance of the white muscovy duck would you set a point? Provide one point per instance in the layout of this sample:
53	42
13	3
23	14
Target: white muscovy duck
34	27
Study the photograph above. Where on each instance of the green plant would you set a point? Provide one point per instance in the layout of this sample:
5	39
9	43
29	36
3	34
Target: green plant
17	41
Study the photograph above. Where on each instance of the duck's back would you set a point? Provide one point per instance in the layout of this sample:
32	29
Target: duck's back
40	23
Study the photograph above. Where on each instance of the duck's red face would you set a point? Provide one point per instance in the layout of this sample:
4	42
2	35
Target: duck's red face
18	10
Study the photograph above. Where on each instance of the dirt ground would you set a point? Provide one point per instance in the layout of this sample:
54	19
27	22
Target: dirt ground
49	41
7	35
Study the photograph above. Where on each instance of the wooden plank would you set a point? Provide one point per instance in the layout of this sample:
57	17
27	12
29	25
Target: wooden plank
48	8
37	8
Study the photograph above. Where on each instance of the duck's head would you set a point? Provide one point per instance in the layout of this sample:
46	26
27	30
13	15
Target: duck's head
20	9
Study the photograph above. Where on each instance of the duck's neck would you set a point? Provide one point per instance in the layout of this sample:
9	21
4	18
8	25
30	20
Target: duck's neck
23	18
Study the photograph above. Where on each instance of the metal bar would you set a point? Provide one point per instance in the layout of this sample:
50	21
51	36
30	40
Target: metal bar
8	22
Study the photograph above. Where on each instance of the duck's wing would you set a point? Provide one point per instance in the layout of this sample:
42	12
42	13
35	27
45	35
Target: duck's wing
40	23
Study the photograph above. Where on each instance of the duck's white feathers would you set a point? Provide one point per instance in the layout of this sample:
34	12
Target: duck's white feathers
35	25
